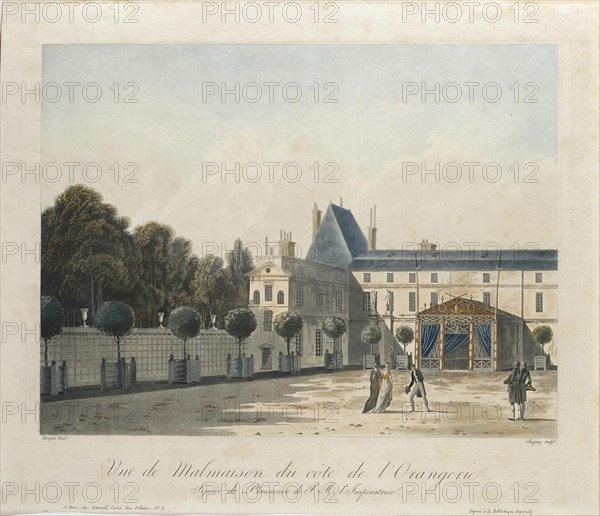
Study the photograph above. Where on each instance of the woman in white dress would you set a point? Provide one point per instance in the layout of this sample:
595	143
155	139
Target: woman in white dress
385	392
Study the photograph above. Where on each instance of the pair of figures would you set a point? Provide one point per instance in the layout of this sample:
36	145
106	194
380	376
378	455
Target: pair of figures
381	384
518	382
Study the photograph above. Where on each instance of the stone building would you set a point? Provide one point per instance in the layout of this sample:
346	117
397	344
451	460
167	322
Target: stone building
345	274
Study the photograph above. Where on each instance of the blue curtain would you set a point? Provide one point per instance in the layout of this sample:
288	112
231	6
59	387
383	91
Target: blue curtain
429	333
484	332
454	340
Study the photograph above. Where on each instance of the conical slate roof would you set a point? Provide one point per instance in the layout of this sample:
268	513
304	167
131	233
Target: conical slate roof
338	240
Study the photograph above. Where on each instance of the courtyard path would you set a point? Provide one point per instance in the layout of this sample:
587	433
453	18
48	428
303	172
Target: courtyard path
463	404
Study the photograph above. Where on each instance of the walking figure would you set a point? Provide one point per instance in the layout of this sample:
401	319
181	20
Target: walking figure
513	383
524	386
417	383
374	385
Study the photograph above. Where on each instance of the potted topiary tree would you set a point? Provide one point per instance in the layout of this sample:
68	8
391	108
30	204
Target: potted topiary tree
240	323
543	335
287	325
184	323
334	327
405	335
53	378
370	335
116	320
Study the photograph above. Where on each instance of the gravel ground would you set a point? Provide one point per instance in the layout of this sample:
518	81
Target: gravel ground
463	404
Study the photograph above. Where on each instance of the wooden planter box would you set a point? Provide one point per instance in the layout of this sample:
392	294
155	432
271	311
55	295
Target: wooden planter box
290	363
334	361
184	370
53	378
368	361
540	363
240	367
118	375
402	362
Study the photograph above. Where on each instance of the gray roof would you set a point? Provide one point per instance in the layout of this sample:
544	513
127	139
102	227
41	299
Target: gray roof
466	260
338	240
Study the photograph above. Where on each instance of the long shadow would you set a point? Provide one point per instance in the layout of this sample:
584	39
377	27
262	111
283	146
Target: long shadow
94	391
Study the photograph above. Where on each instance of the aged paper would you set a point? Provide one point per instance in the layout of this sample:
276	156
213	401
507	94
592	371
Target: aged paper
299	257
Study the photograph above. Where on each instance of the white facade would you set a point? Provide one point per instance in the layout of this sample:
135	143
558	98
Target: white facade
314	291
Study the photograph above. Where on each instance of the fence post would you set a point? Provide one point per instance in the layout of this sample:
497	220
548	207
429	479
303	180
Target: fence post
103	374
133	371
171	360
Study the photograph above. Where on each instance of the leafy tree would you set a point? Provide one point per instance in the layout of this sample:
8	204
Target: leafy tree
87	252
240	323
405	335
371	335
184	323
543	335
239	263
213	288
115	319
287	325
165	270
51	321
334	327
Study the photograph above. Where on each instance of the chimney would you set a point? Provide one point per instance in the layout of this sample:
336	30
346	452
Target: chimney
372	229
426	245
316	220
287	248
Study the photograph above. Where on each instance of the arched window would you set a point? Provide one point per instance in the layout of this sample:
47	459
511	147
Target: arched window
256	297
280	297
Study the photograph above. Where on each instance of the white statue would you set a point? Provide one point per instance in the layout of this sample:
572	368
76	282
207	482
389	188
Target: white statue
388	300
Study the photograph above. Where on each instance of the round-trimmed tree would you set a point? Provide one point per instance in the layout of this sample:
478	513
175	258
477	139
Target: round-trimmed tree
543	335
116	320
334	327
240	323
371	335
287	325
184	323
51	319
405	335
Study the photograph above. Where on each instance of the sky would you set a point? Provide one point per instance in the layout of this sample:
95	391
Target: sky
365	144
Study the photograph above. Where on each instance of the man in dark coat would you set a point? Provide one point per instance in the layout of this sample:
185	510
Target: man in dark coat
417	383
375	384
524	381
513	388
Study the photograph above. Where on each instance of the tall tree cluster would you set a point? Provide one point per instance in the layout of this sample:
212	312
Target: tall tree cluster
89	255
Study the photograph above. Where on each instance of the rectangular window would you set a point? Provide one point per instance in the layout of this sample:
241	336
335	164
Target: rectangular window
298	343
268	292
434	299
367	301
338	300
412	277
319	298
319	273
539	302
338	277
390	277
367	277
486	298
434	277
318	343
299	295
412	301
486	277
268	322
538	277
